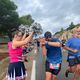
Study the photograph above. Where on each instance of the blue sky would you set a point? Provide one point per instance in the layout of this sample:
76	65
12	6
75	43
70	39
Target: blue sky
51	14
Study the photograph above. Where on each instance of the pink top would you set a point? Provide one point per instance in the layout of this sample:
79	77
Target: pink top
14	54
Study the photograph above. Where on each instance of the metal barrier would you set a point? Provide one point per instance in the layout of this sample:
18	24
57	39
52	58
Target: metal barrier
40	65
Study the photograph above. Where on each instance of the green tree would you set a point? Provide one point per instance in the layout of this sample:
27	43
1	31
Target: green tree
26	20
62	29
71	26
9	19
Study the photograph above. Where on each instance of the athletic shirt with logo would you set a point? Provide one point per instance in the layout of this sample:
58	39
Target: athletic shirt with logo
54	54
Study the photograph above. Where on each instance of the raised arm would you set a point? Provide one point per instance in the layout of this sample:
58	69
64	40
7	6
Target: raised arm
55	44
44	50
23	42
24	36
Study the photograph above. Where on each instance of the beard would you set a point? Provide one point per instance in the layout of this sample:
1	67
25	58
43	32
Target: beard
77	35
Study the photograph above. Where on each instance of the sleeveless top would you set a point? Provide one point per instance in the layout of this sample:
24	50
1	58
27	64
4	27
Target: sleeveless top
15	55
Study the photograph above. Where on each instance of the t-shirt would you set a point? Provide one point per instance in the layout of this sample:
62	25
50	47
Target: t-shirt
73	43
54	54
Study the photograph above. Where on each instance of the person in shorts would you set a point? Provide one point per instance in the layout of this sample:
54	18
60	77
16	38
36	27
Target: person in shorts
52	48
74	58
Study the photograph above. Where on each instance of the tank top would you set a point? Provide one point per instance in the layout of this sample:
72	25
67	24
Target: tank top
15	55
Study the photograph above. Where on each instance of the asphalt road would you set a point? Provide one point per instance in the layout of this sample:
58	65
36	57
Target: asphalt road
40	68
61	75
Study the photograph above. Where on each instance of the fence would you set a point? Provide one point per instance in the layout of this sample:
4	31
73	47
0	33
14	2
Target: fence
40	65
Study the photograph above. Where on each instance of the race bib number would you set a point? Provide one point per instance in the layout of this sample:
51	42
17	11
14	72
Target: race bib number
54	66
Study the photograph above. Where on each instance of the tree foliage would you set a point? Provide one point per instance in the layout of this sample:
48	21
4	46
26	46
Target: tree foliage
26	20
71	26
9	18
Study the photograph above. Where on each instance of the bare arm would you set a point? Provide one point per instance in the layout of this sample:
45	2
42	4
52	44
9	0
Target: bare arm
44	50
70	49
23	42
56	44
24	36
42	43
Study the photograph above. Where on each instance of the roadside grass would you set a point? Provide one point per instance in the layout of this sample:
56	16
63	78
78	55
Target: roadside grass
3	51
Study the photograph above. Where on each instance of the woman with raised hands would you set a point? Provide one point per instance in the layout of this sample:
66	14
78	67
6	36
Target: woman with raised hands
16	68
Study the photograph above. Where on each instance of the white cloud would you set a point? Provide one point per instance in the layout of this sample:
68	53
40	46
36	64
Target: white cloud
51	14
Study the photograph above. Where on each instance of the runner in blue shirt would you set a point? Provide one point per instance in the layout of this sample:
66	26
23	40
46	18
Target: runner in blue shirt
51	47
74	58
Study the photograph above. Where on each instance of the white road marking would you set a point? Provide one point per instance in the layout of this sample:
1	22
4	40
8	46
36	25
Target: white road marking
33	75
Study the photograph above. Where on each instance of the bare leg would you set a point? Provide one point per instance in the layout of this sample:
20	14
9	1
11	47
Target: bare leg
48	76
54	77
70	70
24	78
76	73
